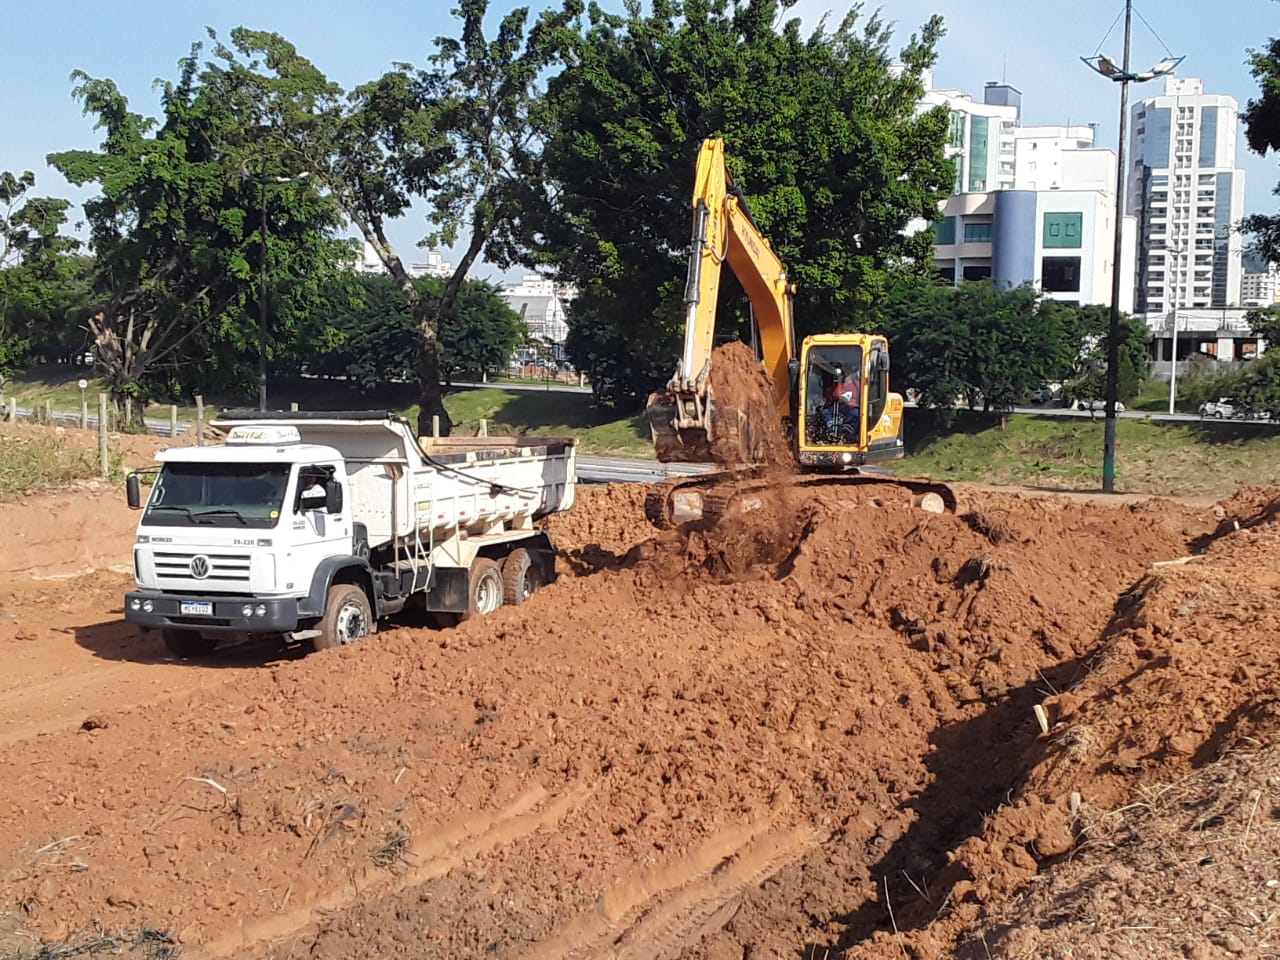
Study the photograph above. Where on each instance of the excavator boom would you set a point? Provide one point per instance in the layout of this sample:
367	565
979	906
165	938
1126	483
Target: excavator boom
688	421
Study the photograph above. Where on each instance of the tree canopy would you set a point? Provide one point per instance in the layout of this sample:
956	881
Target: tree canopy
1262	131
822	131
184	224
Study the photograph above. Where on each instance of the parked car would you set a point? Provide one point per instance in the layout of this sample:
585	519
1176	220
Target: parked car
1222	408
1096	405
1042	395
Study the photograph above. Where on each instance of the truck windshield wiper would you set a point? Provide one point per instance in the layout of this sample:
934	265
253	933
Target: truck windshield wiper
222	512
172	506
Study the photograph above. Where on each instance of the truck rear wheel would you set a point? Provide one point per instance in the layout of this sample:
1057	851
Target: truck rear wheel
486	587
520	576
187	643
347	617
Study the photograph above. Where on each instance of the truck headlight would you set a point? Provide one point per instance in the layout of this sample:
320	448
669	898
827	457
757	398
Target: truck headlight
246	610
847	457
260	610
147	606
135	604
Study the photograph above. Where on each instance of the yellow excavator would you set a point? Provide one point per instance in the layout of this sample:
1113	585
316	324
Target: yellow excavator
832	395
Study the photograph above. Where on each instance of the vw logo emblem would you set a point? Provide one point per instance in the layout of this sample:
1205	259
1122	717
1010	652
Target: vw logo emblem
200	566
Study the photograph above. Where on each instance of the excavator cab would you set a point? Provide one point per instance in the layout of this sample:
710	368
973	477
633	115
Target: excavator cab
846	413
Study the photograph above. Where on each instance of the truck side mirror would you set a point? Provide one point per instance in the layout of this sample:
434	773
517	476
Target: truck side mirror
332	497
882	362
133	491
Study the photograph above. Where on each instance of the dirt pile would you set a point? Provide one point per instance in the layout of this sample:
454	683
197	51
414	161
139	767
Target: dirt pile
746	424
746	742
743	393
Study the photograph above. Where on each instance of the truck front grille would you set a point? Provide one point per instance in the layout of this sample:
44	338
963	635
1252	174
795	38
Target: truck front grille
217	568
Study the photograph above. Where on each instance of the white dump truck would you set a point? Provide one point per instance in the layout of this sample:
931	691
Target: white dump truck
313	526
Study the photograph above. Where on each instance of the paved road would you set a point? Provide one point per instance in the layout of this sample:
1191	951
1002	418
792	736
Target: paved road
159	428
543	386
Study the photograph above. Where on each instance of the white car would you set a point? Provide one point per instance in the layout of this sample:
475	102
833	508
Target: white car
1097	405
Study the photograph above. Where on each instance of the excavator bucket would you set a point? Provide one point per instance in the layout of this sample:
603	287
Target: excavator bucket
717	433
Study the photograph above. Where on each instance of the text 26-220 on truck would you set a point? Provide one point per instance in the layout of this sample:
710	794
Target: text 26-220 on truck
313	526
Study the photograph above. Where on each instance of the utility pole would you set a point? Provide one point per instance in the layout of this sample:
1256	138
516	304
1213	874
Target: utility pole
262	306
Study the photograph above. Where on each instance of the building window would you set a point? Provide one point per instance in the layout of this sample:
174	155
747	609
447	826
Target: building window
977	273
977	233
945	230
1063	230
1060	274
948	274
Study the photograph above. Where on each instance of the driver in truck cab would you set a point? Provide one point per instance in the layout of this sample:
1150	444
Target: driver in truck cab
841	412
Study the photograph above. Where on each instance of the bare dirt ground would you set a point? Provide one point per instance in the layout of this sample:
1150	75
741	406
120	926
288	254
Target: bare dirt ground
811	733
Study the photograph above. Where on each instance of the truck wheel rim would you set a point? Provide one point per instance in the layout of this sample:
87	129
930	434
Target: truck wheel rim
486	595
351	623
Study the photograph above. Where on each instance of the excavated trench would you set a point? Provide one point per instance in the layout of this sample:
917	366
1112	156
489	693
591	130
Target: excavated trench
811	729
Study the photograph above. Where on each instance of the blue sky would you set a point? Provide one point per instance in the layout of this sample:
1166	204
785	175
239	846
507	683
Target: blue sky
1032	44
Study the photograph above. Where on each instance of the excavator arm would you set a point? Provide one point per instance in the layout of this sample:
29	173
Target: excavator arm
687	420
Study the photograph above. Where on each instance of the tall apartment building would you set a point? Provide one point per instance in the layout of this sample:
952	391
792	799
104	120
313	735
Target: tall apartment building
1186	192
1031	205
981	136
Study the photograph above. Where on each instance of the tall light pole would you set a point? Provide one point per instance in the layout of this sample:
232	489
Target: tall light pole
1178	251
262	293
1122	75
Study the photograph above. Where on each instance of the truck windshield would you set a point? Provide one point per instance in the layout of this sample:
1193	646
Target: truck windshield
221	494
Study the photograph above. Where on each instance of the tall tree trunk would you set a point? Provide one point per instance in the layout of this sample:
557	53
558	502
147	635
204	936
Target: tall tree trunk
427	367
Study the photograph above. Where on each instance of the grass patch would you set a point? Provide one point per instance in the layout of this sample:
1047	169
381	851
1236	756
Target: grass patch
547	414
40	459
1152	456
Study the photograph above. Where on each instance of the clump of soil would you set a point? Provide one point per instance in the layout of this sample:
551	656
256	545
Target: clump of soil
606	522
743	392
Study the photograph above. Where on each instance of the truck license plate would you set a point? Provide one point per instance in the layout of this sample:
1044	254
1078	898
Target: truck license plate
202	608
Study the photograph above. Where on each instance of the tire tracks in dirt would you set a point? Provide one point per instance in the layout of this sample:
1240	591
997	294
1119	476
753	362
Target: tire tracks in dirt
448	844
656	913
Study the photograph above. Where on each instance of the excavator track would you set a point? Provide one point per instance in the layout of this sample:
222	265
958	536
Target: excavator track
706	500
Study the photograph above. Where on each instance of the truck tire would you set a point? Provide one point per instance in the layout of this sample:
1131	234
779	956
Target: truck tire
486	589
520	577
347	617
187	643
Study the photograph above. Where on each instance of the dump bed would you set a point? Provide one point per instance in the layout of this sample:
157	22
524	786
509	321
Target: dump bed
404	487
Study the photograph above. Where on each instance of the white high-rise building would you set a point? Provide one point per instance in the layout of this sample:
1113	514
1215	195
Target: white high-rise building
1260	288
1187	193
981	137
436	265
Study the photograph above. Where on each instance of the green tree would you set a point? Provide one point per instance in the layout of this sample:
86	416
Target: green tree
455	133
820	131
977	342
1262	131
33	261
177	229
375	336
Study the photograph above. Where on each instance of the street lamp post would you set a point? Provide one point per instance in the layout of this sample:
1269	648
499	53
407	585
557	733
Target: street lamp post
1173	312
262	294
1121	74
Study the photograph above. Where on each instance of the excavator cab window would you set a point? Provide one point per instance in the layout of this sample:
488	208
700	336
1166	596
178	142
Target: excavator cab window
877	384
834	395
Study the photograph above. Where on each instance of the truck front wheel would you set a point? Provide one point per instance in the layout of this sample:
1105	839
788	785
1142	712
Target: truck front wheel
187	643
347	617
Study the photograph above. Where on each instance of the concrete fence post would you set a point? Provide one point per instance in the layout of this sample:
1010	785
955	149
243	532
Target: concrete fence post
435	426
484	428
199	420
173	419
